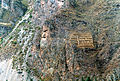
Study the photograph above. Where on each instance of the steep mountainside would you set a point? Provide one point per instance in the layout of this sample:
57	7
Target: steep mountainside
40	49
10	12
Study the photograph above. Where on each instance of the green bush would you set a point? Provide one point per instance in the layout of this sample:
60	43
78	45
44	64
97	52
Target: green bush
14	42
73	3
1	40
88	79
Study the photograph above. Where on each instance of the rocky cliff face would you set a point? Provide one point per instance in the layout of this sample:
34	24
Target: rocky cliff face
39	44
10	12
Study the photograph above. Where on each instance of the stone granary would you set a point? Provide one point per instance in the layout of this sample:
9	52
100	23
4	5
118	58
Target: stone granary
82	39
45	37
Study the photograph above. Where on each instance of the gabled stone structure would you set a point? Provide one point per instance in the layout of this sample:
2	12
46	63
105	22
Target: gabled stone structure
82	39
